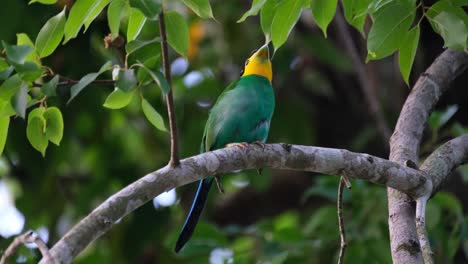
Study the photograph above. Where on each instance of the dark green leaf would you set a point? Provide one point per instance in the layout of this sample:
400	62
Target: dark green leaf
83	12
253	11
5	69
4	123
408	52
49	87
29	71
115	12
17	54
323	12
355	12
201	7
285	18
153	117
136	44
50	35
54	121
152	63
177	32
118	99
36	130
9	87
45	2
20	100
126	80
86	80
157	77
136	21
150	8
23	39
391	22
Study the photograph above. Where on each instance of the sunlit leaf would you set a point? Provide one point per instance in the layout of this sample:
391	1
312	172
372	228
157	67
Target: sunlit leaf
150	8
86	80
36	130
45	2
201	7
4	123
50	35
23	39
323	12
9	87
54	121
152	115
136	21
283	22
115	12
118	99
407	52
177	32
157	77
253	11
355	12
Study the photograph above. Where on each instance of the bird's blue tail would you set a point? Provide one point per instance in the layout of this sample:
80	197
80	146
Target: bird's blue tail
195	212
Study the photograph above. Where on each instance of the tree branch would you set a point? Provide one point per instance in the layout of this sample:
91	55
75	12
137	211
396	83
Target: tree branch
279	156
174	162
28	237
339	205
404	149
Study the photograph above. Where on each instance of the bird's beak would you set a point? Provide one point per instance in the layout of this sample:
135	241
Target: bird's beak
264	52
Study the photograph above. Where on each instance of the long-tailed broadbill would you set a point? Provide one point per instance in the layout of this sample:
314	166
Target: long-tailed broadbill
242	114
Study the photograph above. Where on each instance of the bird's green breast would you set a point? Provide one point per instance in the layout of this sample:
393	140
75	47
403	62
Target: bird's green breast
242	113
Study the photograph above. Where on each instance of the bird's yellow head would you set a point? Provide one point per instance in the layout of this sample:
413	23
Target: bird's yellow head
259	64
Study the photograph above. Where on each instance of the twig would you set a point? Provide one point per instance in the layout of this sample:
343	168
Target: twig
174	162
28	237
422	231
366	85
339	204
69	82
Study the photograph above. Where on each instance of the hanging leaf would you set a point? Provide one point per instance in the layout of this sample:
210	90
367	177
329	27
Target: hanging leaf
115	12
266	16
136	21
36	130
17	54
200	7
9	87
49	87
355	12
136	44
118	99
407	52
126	80
177	32
253	11
86	80
50	35
20	100
4	124
152	115
323	12
157	77
45	2
23	39
285	18
54	121
150	8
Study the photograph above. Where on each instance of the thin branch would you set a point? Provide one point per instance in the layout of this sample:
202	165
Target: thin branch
174	162
28	237
69	82
365	83
279	156
404	149
339	205
422	231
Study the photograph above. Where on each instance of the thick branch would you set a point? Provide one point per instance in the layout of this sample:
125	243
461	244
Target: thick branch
28	237
404	149
169	97
279	156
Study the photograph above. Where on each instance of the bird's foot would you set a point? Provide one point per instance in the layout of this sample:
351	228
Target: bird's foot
219	184
260	144
241	145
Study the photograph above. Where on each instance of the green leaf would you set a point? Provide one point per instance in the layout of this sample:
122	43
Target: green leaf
45	2
157	77
323	12
452	29
9	87
54	121
150	8
23	39
253	11
136	21
50	35
17	54
29	71
115	12
86	80
4	123
201	7
266	16
20	100
49	87
285	18
355	12
83	12
136	44
36	130
118	99
177	32
153	117
439	118
391	22
6	109
5	69
126	80
407	52
151	63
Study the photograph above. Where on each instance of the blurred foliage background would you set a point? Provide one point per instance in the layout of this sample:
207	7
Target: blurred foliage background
278	217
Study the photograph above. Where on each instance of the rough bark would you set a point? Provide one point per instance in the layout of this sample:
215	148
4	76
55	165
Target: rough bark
404	149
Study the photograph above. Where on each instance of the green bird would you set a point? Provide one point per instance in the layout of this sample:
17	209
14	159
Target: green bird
241	115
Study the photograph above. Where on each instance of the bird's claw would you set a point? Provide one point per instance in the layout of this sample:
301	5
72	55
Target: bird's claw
219	184
241	145
260	144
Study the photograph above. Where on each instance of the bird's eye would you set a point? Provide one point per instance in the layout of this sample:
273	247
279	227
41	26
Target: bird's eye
247	62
